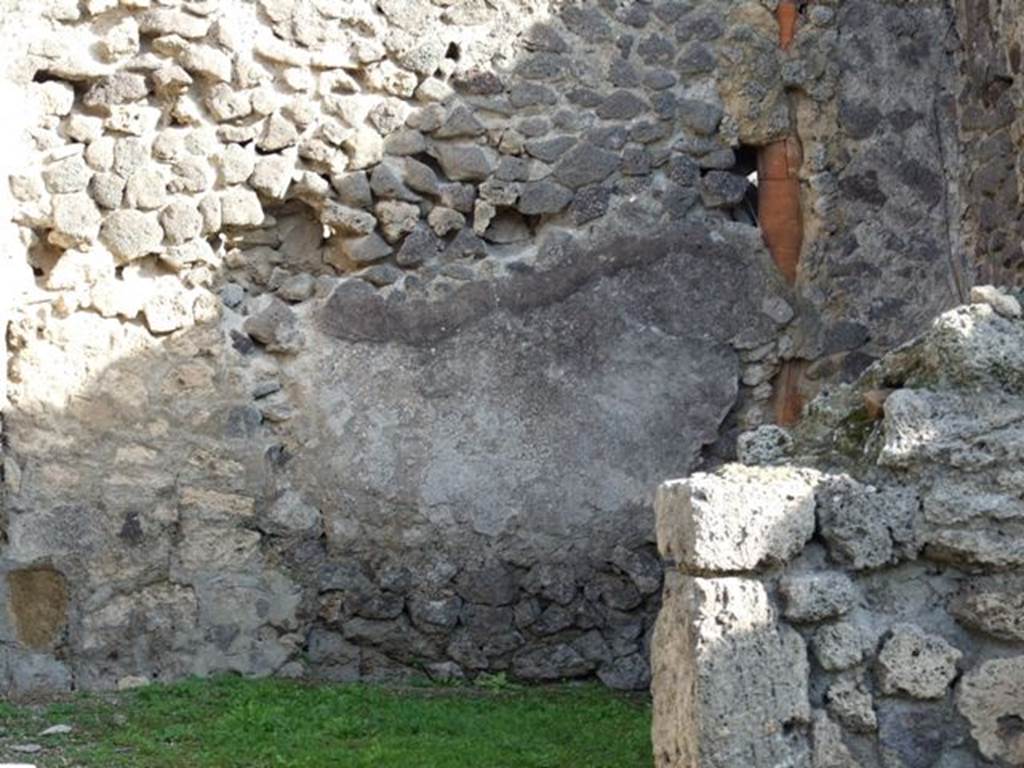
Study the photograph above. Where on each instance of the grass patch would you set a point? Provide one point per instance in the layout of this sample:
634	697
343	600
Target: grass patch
229	723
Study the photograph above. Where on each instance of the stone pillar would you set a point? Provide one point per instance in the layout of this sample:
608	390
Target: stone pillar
730	681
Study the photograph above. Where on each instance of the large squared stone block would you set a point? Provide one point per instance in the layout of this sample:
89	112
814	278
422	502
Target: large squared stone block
737	519
729	682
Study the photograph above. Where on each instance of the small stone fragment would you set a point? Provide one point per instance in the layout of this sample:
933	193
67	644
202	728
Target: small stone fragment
851	704
421	245
146	189
460	123
362	250
272	176
278	133
76	218
274	325
445	220
240	207
586	164
386	182
69	175
466	245
720	189
994	606
131	234
768	444
225	103
56	730
916	664
396	219
816	597
1003	303
403	143
353	189
297	287
236	164
991	697
866	527
381	275
839	646
168	307
120	41
347	221
364	148
543	197
420	177
700	117
181	221
167	21
107	189
465	162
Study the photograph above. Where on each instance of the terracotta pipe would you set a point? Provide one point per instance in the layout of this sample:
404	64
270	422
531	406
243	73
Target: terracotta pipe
787	14
789	400
778	176
778	203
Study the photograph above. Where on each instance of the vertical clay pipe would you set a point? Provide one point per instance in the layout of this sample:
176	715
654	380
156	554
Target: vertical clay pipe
778	168
786	14
778	202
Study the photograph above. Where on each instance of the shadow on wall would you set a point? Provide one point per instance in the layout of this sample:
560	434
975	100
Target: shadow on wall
867	610
350	352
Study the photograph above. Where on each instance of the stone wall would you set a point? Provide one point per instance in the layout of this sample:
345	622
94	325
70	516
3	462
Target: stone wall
883	166
990	96
360	334
349	339
852	595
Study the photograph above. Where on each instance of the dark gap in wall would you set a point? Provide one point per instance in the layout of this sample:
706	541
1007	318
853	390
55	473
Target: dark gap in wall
429	161
1010	727
746	166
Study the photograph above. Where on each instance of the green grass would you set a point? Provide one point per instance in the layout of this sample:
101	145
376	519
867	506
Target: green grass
230	722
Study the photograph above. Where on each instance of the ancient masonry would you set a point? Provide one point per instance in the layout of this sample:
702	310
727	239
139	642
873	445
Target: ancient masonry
853	594
350	339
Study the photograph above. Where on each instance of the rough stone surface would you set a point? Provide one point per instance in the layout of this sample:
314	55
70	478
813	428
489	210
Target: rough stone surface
916	664
866	527
908	591
736	520
991	697
274	325
729	683
815	597
839	646
851	704
1003	303
131	234
994	605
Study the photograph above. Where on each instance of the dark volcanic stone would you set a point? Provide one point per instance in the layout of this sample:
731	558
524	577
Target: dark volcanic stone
585	165
540	197
551	663
490	585
628	673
